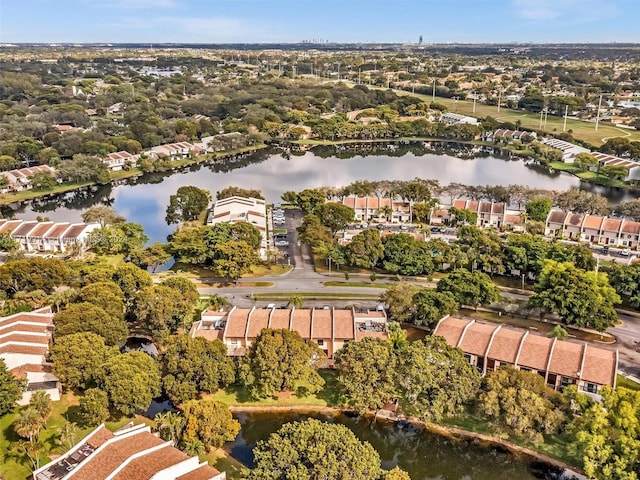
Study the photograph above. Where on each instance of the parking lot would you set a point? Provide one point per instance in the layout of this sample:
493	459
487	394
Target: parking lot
284	224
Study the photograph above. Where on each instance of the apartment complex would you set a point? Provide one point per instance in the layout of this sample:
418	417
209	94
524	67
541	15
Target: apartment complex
24	344
19	180
118	160
560	363
55	237
330	328
242	209
132	452
592	228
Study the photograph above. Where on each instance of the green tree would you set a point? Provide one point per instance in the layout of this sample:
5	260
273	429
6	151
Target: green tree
11	388
86	317
106	295
94	406
519	402
8	244
559	333
405	255
43	181
366	373
238	192
235	259
434	380
184	287
40	401
210	422
187	204
399	299
33	274
312	449
131	380
307	200
103	215
188	244
280	360
365	249
296	301
170	426
397	474
243	231
152	256
334	216
191	365
469	288
585	161
538	209
78	358
581	298
162	310
131	280
607	436
430	306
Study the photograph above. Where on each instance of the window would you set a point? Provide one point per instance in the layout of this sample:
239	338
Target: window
234	342
525	369
467	357
566	381
321	342
590	387
552	380
480	363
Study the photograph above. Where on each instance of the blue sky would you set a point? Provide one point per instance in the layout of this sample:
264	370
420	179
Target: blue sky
220	21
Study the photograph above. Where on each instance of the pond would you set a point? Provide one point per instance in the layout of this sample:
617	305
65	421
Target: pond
144	200
424	455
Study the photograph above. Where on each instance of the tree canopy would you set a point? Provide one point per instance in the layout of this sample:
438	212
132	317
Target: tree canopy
469	288
86	317
209	422
11	388
280	360
311	450
187	204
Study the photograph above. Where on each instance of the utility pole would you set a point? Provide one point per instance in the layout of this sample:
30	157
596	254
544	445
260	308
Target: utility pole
546	114
566	111
499	98
433	97
598	114
474	102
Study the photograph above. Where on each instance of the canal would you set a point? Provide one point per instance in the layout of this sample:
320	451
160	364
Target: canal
144	200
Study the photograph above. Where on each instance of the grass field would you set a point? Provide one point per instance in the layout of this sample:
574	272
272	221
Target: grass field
626	383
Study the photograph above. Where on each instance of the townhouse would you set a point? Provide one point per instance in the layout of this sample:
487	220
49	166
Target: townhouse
19	180
561	363
24	344
383	209
242	209
118	160
632	167
173	151
330	328
33	236
132	452
569	150
490	214
611	231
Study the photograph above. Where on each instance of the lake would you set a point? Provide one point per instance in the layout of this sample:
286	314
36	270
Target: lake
144	200
424	455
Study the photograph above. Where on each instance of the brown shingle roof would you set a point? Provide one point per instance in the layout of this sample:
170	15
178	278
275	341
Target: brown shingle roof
24	328
101	464
451	329
566	359
459	204
10	226
205	472
631	227
535	352
58	230
25	338
557	216
99	437
259	320
600	366
24	349
237	323
23	229
611	224
575	219
75	231
22	370
280	319
505	345
41	229
322	324
593	222
485	207
498	208
209	334
477	338
26	317
302	323
145	466
343	324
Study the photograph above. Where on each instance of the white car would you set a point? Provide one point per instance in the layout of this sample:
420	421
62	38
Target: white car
626	252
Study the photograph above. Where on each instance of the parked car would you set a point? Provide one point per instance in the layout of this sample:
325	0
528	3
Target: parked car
626	252
282	243
605	250
435	230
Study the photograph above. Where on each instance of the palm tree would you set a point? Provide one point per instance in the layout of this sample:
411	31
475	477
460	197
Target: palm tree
27	423
193	447
170	422
386	212
41	402
296	301
216	302
68	434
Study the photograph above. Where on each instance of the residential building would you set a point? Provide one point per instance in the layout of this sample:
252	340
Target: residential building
606	160
132	452
118	160
569	150
457	119
612	231
367	209
34	236
173	151
510	135
24	344
561	363
18	180
490	214
242	209
330	328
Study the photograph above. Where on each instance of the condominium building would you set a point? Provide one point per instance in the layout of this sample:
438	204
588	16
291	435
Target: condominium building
598	229
33	236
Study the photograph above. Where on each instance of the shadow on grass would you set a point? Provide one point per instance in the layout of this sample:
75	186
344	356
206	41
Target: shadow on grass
330	392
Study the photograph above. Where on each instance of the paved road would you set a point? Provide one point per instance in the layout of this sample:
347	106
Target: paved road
628	343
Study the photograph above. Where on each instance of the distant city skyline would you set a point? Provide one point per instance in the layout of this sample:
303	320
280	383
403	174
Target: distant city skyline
341	21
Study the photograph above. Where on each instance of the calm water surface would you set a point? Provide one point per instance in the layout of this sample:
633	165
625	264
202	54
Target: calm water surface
424	455
144	200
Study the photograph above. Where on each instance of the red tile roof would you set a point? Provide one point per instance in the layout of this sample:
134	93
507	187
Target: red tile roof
258	321
322	327
237	323
302	323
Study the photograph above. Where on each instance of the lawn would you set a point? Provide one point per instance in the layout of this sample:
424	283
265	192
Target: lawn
327	397
626	383
204	272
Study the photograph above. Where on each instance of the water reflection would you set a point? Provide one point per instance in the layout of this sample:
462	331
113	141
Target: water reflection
422	454
144	200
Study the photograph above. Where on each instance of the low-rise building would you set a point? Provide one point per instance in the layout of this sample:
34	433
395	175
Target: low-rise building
24	344
329	328
173	151
569	150
19	180
382	209
130	453
118	160
597	229
561	363
490	214
242	209
457	119
632	167
33	236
